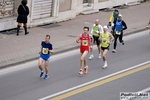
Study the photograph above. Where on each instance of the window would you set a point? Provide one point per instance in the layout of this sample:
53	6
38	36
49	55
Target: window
85	1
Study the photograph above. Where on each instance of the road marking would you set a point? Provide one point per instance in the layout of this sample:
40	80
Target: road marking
86	86
145	90
100	83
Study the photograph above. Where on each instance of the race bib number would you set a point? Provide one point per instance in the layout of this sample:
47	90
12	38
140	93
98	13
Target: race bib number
118	32
84	43
95	32
104	41
44	51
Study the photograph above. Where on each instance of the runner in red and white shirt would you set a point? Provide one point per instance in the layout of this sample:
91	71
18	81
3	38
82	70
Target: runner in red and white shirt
85	43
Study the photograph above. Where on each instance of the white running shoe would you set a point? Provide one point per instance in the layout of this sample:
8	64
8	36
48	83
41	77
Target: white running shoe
114	51
99	56
91	57
105	65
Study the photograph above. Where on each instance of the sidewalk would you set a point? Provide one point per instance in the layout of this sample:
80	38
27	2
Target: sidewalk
15	50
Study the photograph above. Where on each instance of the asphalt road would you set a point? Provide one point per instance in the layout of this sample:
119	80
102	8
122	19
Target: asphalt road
22	82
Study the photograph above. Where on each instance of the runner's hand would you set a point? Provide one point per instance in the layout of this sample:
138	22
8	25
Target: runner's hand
51	51
99	39
109	42
77	41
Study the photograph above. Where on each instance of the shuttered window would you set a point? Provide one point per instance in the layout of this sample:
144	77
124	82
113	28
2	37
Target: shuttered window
42	8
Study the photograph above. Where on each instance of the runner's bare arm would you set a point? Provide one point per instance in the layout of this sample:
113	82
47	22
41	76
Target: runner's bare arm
78	39
51	51
92	40
111	37
100	37
40	50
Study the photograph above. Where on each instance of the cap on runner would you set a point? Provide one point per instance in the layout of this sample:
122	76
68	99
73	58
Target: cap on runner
119	15
105	27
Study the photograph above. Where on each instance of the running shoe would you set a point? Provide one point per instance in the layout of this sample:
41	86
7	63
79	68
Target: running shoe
46	76
122	42
99	56
114	51
41	75
91	57
105	65
86	69
81	72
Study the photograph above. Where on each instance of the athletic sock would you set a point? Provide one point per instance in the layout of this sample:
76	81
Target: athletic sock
105	63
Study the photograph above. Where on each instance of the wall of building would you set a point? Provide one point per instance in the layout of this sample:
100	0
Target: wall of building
64	5
49	11
8	14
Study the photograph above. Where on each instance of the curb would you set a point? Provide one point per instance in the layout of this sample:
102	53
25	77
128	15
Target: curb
65	50
32	59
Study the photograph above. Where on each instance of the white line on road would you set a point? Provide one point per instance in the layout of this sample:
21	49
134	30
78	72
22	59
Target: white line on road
96	80
145	90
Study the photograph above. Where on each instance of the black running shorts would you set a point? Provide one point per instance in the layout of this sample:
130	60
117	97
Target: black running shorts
96	40
104	48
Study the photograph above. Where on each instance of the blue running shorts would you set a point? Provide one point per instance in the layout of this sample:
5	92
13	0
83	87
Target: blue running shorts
45	57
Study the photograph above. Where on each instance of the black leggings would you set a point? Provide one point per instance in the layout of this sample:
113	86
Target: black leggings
120	40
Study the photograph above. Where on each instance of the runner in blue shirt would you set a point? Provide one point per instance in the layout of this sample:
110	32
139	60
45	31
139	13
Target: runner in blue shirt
120	26
45	53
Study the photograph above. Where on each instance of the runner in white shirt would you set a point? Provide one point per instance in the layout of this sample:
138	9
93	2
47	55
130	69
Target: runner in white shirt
97	29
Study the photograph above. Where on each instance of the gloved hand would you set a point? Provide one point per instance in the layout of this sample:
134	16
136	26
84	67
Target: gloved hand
109	23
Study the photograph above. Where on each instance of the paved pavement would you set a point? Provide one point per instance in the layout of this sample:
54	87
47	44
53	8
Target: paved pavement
14	50
22	82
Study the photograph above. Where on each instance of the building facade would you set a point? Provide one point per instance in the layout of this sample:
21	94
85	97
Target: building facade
49	11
